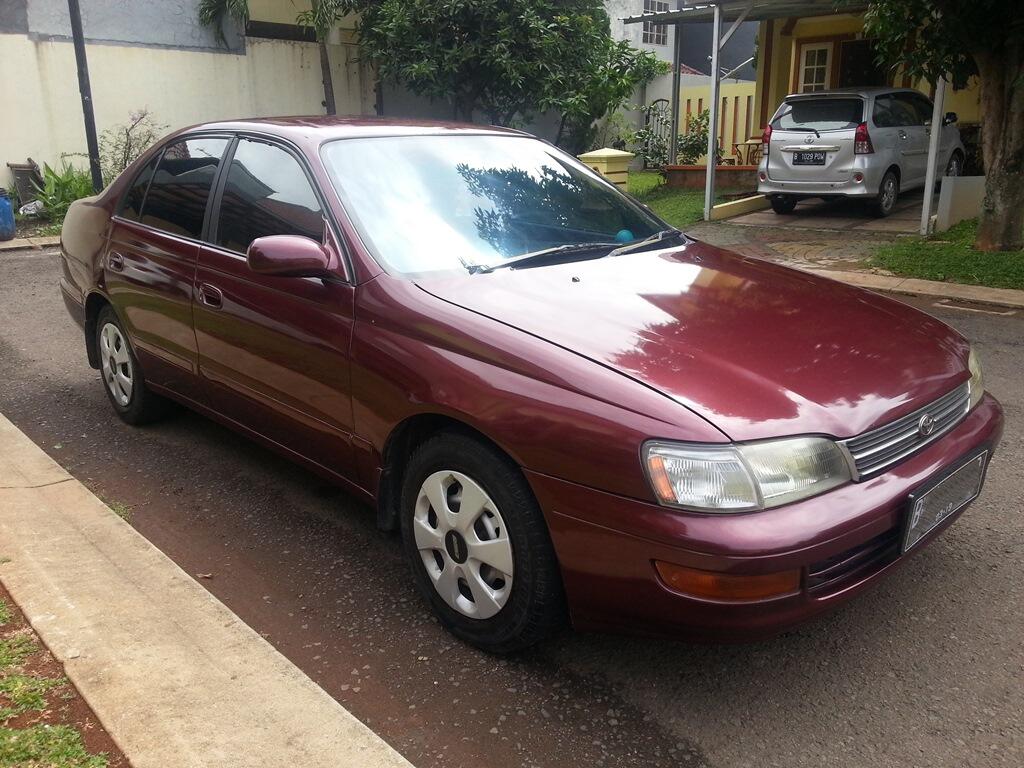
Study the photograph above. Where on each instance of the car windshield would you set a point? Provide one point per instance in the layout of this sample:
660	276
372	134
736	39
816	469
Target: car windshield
819	115
434	203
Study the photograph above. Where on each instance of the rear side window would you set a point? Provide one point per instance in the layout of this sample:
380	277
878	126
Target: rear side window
902	110
266	193
819	115
131	205
176	201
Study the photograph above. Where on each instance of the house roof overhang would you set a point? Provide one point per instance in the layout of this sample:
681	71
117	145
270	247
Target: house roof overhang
757	10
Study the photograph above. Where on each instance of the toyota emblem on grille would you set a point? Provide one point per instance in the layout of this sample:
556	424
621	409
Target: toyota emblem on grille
926	425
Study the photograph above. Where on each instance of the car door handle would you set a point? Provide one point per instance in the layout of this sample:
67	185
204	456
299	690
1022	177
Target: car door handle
115	261
210	296
902	134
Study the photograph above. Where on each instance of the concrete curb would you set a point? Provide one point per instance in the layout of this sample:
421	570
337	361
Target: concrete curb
999	297
28	243
174	676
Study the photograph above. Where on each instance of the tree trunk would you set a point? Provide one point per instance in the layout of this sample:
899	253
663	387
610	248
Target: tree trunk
1001	226
328	78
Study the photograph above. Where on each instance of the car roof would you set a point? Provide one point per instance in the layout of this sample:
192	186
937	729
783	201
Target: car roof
319	128
865	93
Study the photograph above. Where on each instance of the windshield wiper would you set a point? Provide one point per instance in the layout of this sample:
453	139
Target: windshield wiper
657	237
534	256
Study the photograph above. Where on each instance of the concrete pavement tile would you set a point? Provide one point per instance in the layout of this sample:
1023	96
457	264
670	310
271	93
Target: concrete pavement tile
17	244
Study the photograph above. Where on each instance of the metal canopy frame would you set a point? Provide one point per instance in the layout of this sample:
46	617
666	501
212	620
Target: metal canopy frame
736	12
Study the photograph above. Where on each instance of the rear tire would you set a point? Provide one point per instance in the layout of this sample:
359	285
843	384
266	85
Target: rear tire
122	378
783	204
888	194
483	561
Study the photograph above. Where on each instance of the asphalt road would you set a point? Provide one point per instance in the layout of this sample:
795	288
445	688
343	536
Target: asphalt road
927	670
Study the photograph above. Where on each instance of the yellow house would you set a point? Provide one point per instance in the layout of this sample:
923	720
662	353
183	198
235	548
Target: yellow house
737	116
807	53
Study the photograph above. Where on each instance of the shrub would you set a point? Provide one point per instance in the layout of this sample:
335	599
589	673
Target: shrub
121	145
60	190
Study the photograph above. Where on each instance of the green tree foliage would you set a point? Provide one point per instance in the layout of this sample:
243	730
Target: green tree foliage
930	38
505	59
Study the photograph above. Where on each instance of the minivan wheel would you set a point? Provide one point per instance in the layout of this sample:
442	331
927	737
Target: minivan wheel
783	203
888	193
955	166
122	379
478	546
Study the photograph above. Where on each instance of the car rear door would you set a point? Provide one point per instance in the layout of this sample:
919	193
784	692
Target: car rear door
912	136
813	138
150	261
274	351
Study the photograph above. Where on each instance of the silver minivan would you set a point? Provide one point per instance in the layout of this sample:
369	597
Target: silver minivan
865	143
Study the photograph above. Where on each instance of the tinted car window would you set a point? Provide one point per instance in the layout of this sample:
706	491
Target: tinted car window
906	111
883	112
819	115
131	206
923	107
266	193
176	201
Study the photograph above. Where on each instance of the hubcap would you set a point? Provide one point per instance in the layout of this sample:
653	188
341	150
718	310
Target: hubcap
117	363
953	169
889	193
463	543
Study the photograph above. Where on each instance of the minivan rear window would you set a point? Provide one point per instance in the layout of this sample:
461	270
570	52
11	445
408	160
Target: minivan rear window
819	115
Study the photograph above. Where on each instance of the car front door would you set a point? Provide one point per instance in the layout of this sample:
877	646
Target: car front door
150	262
274	351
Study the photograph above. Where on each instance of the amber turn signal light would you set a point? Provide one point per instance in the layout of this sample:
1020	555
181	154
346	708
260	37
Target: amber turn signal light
726	586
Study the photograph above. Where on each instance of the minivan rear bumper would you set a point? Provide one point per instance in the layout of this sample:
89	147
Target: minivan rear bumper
868	186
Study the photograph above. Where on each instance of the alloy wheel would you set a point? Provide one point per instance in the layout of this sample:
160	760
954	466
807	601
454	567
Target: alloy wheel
464	544
889	193
953	168
116	363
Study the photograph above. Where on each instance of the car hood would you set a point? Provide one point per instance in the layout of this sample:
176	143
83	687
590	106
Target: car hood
757	349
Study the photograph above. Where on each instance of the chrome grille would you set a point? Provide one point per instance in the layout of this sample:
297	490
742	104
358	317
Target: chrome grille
881	448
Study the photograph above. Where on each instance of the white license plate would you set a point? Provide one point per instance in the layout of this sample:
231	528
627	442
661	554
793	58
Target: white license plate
930	507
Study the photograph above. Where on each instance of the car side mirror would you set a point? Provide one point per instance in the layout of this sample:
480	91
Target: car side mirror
289	256
950	118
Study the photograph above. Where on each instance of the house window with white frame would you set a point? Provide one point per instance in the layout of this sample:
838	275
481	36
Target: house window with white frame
655	34
815	66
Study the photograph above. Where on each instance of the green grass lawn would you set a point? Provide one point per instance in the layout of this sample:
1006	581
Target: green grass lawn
950	257
679	207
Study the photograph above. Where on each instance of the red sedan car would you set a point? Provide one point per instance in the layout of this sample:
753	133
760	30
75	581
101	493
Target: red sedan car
569	409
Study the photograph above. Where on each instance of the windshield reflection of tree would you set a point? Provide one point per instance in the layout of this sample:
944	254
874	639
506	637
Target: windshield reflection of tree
540	208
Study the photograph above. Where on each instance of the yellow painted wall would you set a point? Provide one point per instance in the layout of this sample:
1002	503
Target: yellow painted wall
776	73
277	11
737	96
42	115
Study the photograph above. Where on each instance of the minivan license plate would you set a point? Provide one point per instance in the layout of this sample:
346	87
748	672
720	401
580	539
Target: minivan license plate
954	491
808	158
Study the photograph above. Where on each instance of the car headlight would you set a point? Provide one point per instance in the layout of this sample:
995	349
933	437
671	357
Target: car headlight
743	477
977	383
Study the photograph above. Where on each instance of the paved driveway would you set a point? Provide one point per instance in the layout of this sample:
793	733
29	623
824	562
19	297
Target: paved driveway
841	215
926	670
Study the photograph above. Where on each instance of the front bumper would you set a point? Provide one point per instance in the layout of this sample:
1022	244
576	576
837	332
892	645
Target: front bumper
842	541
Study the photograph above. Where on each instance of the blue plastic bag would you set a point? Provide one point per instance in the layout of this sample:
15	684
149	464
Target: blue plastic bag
6	217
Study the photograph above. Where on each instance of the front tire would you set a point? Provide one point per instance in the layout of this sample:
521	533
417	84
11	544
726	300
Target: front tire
888	194
478	546
122	378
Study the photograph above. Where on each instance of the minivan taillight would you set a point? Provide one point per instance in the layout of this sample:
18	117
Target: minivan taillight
862	141
766	138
